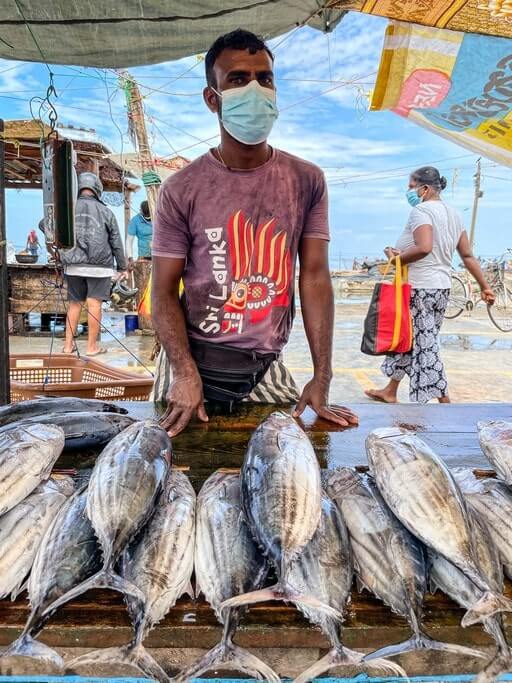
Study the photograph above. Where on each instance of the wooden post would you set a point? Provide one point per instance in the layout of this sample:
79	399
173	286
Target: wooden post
127	196
5	384
478	195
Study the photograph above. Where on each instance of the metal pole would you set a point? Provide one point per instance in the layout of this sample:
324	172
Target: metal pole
5	384
478	195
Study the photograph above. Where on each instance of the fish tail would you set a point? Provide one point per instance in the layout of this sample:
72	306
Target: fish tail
134	655
229	656
284	592
345	657
500	664
489	604
106	578
421	641
26	646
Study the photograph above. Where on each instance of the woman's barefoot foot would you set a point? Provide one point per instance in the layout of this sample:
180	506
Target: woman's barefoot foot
383	395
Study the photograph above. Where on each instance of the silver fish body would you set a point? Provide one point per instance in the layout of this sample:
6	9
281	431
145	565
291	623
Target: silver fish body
491	500
496	442
27	456
281	489
421	492
82	430
22	529
68	554
42	406
227	563
160	563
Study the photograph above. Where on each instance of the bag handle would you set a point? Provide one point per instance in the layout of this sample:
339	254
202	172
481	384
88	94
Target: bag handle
397	283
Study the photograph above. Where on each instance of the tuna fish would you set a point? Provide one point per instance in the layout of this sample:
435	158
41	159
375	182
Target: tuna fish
160	564
81	430
44	405
124	484
325	570
69	553
27	456
421	492
281	501
492	502
496	442
389	561
23	527
227	562
453	582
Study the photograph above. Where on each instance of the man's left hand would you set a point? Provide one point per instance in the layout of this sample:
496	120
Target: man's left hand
316	395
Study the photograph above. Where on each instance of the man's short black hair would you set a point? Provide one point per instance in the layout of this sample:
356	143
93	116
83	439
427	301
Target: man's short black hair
236	40
144	208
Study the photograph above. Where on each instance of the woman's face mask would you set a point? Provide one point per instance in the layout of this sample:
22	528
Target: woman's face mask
248	113
413	197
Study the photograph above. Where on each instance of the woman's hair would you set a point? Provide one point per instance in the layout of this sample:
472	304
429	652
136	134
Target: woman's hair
429	175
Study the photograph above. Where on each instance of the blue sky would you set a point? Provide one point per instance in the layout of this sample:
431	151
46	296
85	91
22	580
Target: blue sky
323	85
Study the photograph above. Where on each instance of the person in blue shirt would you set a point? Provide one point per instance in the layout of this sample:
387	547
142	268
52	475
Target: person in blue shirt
140	227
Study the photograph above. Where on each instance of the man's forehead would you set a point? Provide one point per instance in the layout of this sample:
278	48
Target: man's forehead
242	60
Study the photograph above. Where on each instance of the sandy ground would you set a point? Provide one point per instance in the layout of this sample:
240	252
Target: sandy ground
477	356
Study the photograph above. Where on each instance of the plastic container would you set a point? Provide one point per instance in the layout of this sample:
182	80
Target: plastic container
131	323
66	375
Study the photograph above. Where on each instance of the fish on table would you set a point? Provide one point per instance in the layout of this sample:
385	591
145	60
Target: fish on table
495	438
160	563
82	430
421	492
41	406
27	456
68	554
325	570
281	503
452	581
227	562
389	561
22	529
125	483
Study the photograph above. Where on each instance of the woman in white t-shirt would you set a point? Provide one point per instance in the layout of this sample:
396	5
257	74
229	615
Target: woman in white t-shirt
431	236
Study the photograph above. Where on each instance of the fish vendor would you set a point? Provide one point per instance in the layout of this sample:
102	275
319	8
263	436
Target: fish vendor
231	226
140	228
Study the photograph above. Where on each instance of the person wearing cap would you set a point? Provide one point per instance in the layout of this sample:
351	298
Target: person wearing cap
140	228
434	231
89	265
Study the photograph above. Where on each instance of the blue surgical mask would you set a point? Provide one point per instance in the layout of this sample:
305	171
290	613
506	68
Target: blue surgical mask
248	113
412	197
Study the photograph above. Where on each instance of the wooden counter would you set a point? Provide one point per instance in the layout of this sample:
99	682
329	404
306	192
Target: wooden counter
98	619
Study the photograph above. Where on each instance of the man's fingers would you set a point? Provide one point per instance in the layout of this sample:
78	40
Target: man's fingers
170	417
299	408
180	423
345	413
202	414
330	415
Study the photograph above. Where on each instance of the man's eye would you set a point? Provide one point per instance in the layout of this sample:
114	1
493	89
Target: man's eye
238	80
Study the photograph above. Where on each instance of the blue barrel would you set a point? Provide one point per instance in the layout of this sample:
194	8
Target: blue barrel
131	323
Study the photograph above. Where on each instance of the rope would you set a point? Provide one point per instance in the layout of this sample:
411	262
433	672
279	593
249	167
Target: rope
150	178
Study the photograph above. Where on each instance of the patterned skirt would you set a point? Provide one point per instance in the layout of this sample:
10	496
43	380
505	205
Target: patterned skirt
423	363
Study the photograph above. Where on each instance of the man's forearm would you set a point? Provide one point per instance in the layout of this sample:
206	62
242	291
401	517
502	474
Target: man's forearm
169	323
317	303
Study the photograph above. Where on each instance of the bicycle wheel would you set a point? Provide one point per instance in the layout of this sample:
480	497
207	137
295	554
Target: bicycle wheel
501	311
458	298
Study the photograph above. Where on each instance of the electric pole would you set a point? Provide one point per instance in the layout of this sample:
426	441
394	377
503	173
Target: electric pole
5	392
478	195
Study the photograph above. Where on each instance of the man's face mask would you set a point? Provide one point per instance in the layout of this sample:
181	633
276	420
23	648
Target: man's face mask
248	113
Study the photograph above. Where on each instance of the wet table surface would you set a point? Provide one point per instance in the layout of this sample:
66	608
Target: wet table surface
99	619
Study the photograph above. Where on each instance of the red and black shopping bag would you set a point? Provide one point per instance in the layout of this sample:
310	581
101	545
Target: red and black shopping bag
388	323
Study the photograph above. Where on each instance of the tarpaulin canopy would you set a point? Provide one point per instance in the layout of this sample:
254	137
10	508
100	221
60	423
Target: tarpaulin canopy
493	17
136	32
456	85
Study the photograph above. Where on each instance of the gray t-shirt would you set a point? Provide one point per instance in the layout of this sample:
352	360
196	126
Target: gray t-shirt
433	271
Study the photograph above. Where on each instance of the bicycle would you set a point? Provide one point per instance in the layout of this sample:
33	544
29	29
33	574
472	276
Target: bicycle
464	298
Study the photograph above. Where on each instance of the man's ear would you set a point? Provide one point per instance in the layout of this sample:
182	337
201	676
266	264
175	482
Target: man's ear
212	99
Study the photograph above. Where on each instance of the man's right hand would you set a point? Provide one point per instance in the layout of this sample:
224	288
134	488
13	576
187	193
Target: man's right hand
184	400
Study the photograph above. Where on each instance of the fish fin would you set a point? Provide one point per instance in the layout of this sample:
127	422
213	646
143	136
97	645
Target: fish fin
488	605
345	657
284	592
106	578
26	646
422	642
189	590
130	655
18	590
229	656
499	664
360	585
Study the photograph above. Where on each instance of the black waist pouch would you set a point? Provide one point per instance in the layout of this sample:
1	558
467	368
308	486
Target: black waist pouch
229	374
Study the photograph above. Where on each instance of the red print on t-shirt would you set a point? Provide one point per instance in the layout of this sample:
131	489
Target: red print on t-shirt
261	272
